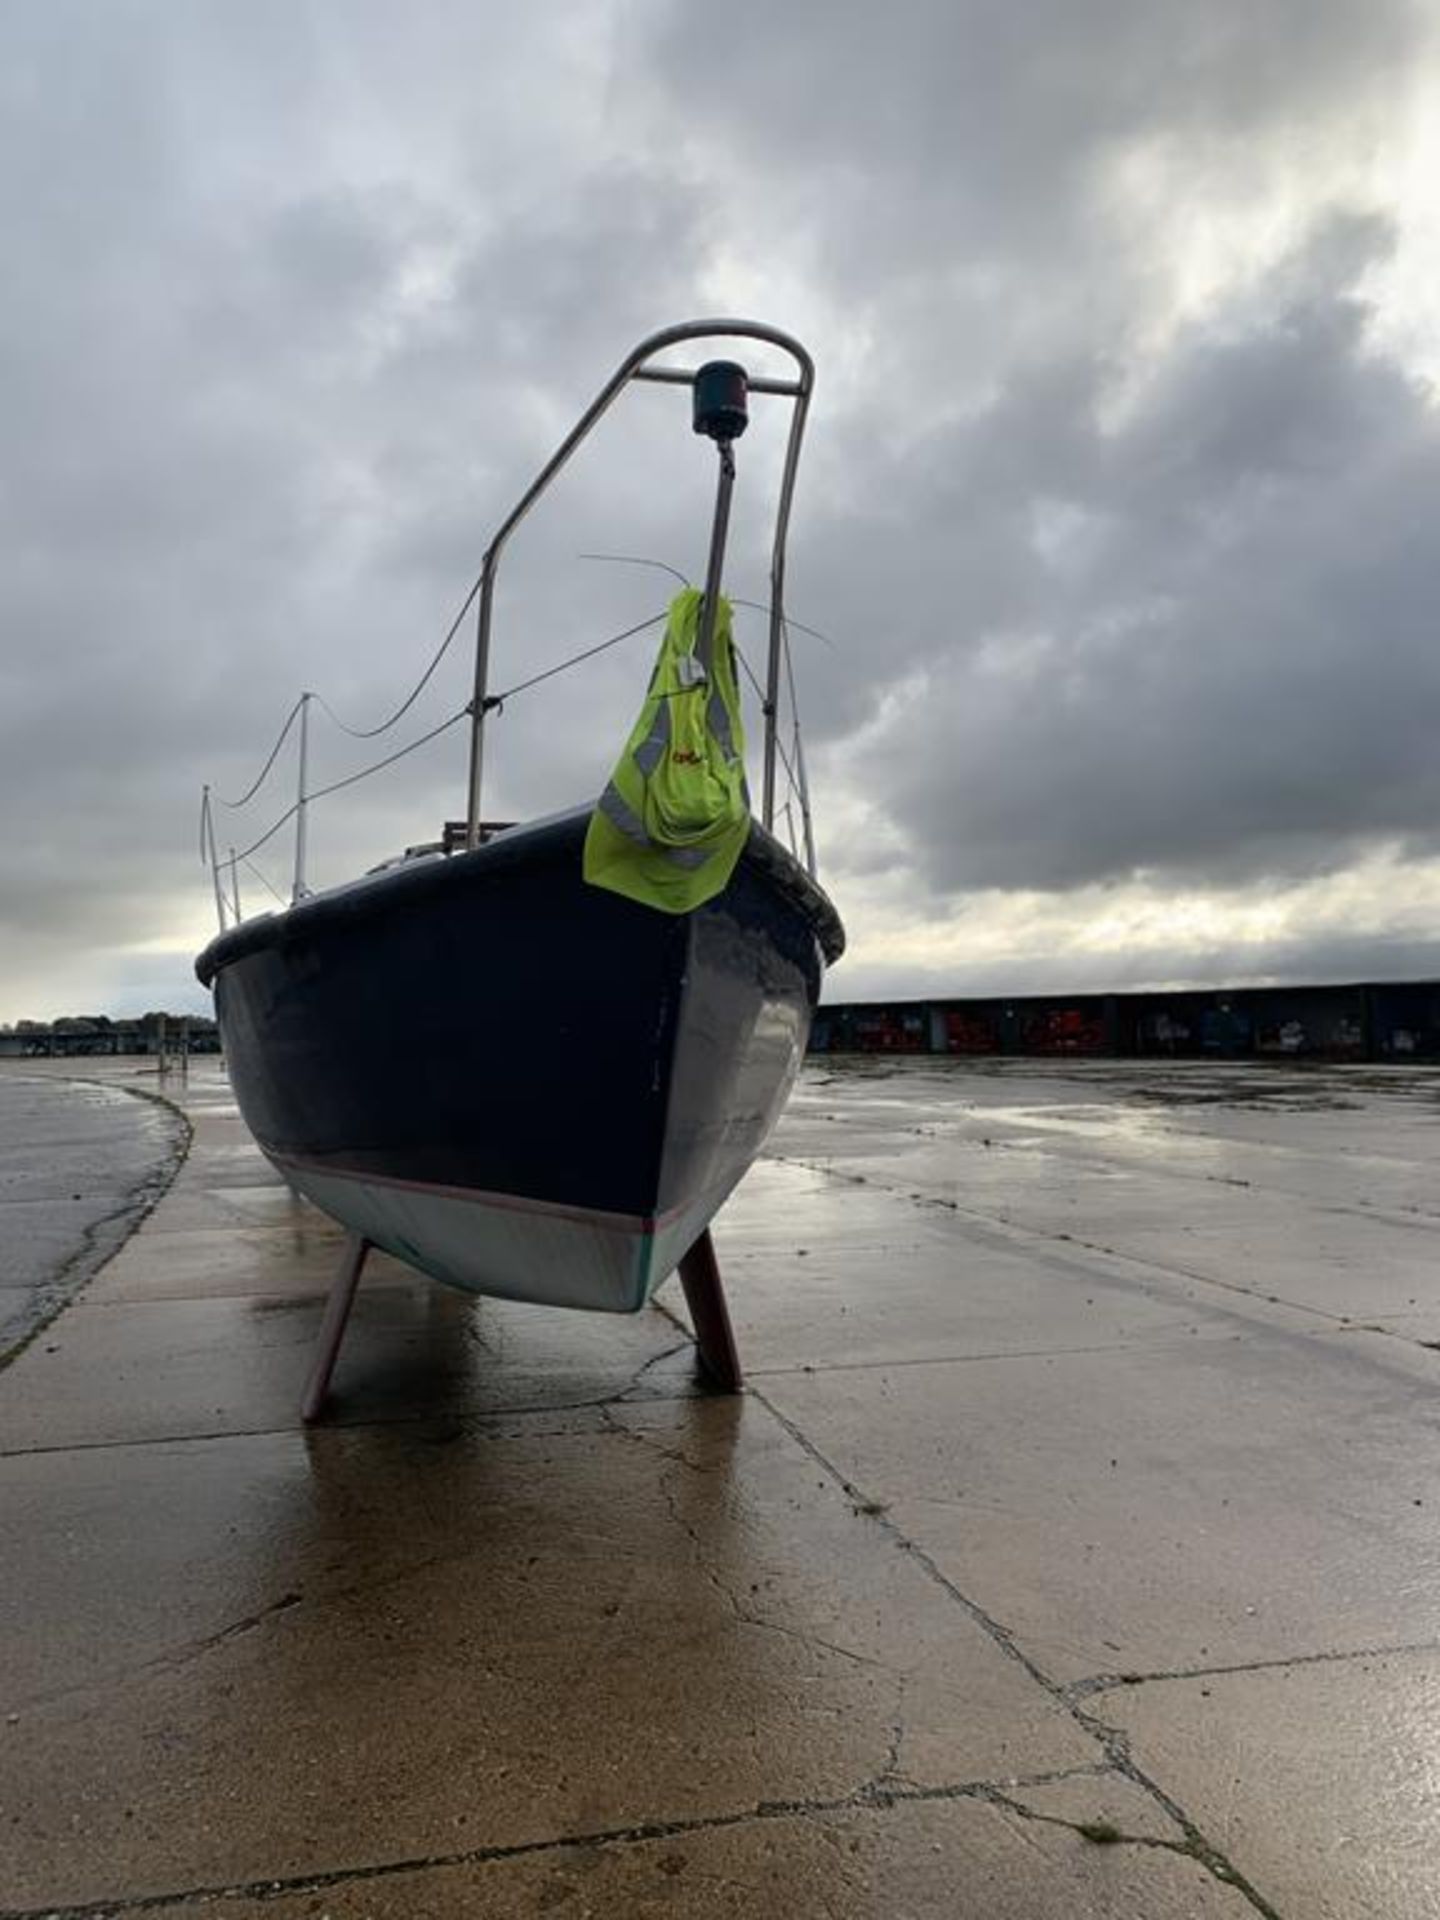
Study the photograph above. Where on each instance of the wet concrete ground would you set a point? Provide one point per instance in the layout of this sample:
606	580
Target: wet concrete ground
1072	1552
79	1166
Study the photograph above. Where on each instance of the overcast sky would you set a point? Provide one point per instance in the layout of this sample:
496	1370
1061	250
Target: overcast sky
1121	512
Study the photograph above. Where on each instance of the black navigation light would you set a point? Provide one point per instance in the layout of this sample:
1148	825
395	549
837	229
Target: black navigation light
721	394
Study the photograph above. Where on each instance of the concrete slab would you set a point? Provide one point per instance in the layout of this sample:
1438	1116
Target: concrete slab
270	1657
1319	1780
227	1257
531	1626
957	1860
925	1285
1148	1509
1195	1171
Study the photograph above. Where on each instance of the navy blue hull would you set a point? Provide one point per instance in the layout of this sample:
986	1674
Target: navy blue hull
487	1027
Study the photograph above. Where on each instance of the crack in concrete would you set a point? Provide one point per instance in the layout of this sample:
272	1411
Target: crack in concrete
618	1396
1099	1833
1077	1690
1112	1740
711	1573
170	1661
864	1800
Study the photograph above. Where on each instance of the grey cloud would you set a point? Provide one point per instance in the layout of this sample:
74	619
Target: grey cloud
246	453
1237	675
958	154
1329	957
298	298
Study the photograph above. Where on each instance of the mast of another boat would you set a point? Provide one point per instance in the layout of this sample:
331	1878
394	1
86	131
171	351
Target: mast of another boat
636	367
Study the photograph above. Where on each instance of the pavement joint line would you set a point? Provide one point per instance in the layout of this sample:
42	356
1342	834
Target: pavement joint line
1093	1684
297	1300
1113	1742
1017	1231
865	1799
1419	1219
976	1359
479	1425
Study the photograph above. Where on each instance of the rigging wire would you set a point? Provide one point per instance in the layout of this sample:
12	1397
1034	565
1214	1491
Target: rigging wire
368	733
760	696
803	788
759	606
371	733
259	779
494	701
639	560
265	881
350	780
755	606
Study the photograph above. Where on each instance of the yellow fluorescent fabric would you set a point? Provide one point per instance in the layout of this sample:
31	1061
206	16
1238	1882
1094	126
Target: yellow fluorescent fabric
671	824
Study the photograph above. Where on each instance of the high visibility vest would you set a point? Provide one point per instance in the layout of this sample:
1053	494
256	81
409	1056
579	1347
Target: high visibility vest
671	825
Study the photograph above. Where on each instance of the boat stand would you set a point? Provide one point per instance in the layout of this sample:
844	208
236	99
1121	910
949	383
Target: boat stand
719	1357
716	1352
332	1328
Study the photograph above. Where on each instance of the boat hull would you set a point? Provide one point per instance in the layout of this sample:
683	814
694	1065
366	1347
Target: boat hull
520	1084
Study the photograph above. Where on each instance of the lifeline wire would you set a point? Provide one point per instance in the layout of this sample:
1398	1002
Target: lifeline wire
493	702
639	560
760	696
370	733
497	700
259	780
265	880
351	778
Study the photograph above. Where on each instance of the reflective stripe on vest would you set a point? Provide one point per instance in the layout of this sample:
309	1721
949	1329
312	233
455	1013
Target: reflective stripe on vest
612	803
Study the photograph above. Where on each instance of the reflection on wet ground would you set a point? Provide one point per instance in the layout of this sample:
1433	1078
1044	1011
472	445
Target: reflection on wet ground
1071	1552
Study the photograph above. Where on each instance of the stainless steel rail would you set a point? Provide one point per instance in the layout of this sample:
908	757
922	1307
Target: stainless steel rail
635	367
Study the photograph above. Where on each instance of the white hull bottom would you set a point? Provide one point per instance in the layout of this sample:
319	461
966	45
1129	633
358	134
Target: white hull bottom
512	1249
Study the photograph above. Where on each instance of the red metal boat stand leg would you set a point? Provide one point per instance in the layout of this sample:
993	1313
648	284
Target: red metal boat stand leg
332	1329
705	1297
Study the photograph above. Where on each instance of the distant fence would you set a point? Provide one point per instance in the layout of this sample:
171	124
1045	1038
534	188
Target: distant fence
1381	1021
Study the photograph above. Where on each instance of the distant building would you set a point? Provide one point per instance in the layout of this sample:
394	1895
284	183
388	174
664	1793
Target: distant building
78	1035
1374	1020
